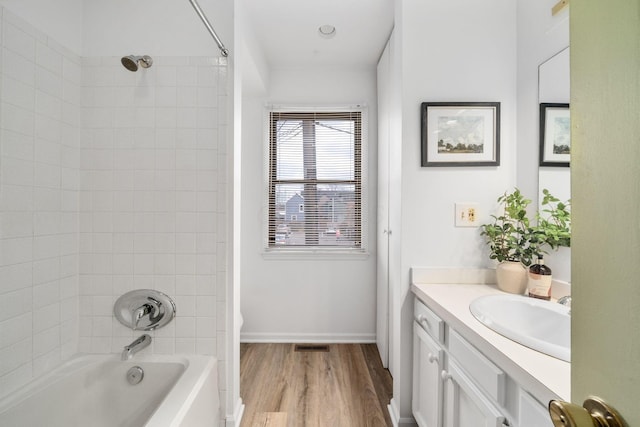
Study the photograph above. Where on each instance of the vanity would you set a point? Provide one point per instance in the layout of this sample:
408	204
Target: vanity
465	374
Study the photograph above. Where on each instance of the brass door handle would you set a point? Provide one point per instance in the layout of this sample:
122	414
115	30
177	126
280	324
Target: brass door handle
594	412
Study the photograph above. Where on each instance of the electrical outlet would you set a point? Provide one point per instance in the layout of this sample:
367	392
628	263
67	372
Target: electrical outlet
467	215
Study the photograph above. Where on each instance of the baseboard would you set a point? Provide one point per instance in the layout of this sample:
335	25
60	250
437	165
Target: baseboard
396	420
265	337
236	418
393	413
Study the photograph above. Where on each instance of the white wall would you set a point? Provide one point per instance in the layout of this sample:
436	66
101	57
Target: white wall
450	51
39	141
331	299
61	19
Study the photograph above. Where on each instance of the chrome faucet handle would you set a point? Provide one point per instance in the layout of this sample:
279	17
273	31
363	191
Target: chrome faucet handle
144	309
566	301
140	312
152	309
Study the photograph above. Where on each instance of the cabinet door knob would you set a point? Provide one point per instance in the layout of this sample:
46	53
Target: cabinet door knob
445	375
594	411
432	358
422	319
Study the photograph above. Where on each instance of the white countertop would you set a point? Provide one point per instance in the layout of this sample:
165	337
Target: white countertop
545	377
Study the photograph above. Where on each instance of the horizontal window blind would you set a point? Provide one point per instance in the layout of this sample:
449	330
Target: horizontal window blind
315	179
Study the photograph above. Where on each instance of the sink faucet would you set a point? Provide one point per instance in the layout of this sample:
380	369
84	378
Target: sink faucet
140	343
566	301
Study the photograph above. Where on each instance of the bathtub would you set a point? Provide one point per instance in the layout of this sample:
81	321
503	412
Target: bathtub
92	390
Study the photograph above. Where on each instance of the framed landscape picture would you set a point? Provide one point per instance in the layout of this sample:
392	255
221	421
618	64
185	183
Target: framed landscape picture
460	133
555	135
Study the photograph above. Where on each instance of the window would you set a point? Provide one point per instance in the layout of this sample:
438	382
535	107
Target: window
315	180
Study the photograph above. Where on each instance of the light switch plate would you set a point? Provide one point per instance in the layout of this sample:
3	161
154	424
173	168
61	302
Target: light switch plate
467	215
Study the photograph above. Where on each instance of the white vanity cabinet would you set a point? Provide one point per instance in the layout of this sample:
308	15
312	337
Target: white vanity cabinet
455	385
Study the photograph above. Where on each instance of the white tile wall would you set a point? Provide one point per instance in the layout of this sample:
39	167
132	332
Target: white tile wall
109	181
39	145
151	198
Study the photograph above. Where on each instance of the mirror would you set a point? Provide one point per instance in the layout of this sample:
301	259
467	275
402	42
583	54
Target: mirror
553	87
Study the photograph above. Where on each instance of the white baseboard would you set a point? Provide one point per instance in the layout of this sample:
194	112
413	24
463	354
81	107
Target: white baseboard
235	419
393	413
265	337
396	420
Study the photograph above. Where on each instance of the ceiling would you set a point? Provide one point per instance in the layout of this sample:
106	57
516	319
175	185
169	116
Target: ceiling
287	31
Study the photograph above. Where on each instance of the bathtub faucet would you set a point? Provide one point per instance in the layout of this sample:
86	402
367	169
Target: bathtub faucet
140	343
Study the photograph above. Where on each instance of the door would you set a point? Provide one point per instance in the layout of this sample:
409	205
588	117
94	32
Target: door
465	404
428	359
605	101
382	318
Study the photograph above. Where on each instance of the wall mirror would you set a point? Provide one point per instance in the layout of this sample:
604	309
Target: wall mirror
553	87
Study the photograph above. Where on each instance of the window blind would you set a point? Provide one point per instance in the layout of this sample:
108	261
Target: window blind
315	179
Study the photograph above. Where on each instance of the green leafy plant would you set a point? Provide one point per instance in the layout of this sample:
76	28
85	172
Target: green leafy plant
513	237
554	226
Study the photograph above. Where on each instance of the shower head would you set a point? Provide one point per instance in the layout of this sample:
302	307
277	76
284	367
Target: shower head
131	62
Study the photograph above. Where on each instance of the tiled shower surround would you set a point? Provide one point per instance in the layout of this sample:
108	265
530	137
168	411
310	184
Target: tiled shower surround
110	181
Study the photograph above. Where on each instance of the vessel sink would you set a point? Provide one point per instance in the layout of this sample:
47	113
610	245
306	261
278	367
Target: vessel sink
541	325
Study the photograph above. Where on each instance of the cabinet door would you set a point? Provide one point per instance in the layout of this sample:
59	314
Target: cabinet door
427	382
532	413
465	405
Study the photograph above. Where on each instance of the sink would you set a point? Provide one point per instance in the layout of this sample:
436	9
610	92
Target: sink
541	325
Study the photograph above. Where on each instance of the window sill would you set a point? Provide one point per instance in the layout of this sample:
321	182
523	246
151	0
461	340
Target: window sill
315	254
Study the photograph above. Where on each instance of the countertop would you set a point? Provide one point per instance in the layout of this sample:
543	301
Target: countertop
543	376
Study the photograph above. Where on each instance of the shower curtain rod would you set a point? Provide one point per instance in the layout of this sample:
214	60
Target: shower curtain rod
223	50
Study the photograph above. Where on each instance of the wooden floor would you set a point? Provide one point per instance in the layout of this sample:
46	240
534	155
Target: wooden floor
343	387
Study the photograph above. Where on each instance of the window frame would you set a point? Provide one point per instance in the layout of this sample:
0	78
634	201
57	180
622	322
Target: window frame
317	251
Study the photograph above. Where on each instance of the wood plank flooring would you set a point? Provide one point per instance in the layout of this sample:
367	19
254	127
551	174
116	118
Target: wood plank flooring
343	387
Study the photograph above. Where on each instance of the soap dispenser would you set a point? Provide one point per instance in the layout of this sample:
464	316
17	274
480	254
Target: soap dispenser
539	281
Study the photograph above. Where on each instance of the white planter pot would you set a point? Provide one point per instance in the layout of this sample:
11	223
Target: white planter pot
512	277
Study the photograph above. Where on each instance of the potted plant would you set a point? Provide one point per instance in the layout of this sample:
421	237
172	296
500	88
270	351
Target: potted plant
514	241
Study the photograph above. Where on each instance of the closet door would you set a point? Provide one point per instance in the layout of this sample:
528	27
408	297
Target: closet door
382	310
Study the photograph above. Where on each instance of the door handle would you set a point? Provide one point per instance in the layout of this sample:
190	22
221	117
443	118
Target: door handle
593	412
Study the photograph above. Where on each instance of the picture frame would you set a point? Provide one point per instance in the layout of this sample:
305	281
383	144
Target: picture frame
460	134
555	135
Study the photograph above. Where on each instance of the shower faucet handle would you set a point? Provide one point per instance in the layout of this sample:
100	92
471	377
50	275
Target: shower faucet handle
144	309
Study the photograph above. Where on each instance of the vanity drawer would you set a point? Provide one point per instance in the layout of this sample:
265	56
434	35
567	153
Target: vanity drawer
429	321
487	375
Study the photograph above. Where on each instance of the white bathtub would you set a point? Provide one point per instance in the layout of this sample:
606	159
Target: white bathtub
92	390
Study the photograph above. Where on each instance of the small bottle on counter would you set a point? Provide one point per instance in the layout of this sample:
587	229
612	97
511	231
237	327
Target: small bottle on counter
539	282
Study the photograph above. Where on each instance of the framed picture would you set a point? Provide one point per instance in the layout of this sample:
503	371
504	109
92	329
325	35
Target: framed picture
555	135
460	133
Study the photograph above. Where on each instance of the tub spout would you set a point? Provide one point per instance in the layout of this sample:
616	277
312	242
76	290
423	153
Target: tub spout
140	343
